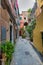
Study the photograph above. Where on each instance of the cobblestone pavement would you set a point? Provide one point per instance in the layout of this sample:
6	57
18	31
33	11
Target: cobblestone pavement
25	54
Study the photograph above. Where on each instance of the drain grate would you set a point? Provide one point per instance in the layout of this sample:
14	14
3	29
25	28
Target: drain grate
27	53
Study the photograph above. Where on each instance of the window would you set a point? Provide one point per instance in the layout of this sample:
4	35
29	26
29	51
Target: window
20	18
3	4
14	7
25	18
42	7
29	19
0	2
11	0
3	34
25	24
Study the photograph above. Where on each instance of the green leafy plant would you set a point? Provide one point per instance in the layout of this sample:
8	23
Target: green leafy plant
30	10
8	49
30	29
23	35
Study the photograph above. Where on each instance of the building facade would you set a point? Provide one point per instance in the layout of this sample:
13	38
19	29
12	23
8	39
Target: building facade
38	31
23	18
9	12
39	3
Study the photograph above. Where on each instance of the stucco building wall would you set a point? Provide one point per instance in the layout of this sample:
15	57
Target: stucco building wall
4	22
37	38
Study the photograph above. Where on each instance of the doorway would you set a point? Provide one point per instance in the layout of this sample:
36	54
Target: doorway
42	37
10	33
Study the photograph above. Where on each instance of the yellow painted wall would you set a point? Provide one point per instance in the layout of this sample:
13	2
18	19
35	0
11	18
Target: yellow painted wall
40	2
37	11
37	33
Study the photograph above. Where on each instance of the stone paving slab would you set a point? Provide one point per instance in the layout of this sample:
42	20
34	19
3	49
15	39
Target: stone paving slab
25	54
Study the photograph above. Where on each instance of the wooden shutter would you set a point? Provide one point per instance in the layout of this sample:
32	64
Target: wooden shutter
3	34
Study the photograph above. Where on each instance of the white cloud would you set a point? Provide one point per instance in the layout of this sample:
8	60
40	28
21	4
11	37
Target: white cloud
25	4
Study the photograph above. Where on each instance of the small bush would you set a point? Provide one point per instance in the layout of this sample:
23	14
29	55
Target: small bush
30	29
7	48
23	35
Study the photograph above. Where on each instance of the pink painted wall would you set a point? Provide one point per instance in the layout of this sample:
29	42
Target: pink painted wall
21	23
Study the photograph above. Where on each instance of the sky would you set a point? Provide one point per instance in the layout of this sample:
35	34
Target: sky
24	5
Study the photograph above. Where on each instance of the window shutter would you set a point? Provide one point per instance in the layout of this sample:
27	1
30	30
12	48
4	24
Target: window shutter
3	34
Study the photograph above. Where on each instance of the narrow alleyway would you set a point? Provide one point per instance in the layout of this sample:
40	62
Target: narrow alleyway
25	54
